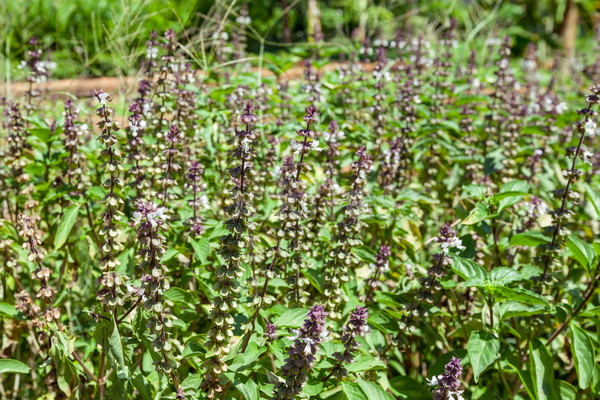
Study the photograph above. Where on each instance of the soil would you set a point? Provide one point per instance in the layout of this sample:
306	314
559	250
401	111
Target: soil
84	87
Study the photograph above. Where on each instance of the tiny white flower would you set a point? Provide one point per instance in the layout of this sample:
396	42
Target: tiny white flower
587	156
561	107
245	146
314	145
590	128
102	97
204	202
307	345
159	213
152	52
296	333
433	381
455	395
296	146
137	217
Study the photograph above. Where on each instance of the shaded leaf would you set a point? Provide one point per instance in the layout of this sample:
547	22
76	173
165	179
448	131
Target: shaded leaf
584	355
66	224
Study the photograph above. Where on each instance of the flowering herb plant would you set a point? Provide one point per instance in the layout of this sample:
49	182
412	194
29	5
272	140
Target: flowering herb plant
416	222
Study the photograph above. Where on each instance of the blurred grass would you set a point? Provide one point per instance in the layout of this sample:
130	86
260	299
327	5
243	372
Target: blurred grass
90	38
106	37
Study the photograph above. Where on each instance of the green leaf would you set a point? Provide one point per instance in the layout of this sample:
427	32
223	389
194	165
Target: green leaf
249	389
365	253
584	354
542	370
373	391
502	276
511	309
582	252
8	365
115	353
66	224
510	194
483	349
365	362
407	388
466	268
531	238
140	382
181	297
526	379
291	318
192	381
594	197
170	253
565	390
353	392
9	310
522	295
314	389
478	214
201	248
474	191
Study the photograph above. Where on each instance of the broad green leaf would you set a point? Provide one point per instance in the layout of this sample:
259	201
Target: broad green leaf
594	197
582	252
525	377
170	253
515	186
584	355
9	310
140	382
115	353
365	362
291	318
364	253
483	349
510	193
474	191
565	390
542	370
478	214
374	391
8	365
201	248
531	238
192	381
409	389
467	269
511	309
249	389
66	224
522	295
353	392
507	199
313	389
181	297
503	276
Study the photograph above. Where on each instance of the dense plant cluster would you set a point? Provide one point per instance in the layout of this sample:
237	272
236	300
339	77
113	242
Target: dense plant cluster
410	223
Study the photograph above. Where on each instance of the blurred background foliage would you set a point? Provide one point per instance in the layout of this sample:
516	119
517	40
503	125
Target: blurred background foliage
106	37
